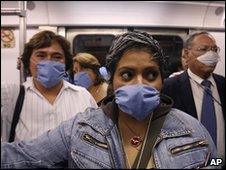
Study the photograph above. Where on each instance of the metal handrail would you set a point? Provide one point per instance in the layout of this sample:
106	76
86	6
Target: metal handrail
21	12
12	11
23	29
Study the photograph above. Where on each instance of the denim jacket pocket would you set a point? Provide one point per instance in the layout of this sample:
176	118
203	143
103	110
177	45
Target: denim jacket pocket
85	161
188	146
193	154
90	151
88	138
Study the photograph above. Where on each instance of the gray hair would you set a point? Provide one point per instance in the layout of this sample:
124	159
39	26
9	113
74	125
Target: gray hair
188	42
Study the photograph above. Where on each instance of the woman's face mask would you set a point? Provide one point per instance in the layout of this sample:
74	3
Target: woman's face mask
136	83
83	79
50	73
139	101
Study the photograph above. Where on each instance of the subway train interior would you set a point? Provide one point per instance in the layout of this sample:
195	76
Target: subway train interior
91	26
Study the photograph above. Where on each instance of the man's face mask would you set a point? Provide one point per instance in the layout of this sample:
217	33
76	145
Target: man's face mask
83	79
210	58
137	100
49	73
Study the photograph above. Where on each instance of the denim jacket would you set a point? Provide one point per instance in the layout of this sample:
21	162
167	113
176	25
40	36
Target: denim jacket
91	140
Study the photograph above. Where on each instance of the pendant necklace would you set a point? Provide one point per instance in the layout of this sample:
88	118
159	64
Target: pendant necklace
136	140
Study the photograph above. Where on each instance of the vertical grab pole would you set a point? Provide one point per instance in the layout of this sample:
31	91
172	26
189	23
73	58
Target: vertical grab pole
22	36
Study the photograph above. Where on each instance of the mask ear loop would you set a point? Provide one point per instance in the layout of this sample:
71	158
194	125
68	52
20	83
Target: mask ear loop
195	58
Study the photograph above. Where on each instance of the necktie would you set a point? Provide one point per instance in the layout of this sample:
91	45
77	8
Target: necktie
208	117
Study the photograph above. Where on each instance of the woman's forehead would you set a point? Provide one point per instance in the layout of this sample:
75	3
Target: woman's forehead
137	58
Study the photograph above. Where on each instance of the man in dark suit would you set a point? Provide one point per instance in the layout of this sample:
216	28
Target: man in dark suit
187	89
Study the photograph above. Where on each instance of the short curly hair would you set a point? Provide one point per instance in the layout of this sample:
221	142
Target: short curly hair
45	39
134	40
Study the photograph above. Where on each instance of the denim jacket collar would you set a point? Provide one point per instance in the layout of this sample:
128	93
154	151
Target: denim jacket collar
101	123
108	115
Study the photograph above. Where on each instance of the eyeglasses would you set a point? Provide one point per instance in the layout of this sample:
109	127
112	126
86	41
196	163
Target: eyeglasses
204	49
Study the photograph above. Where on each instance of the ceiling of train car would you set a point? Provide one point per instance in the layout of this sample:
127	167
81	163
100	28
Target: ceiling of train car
14	4
221	2
204	2
205	14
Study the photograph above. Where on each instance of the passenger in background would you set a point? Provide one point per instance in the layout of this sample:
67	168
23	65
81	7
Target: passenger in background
19	62
178	66
68	76
189	91
87	74
19	65
136	128
174	67
183	60
48	99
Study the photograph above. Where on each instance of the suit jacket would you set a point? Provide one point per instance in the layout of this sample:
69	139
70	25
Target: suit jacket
179	89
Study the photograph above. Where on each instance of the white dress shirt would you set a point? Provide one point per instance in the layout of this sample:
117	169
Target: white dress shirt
176	73
198	91
37	114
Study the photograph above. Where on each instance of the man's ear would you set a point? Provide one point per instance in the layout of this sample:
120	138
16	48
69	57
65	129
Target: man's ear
185	50
185	54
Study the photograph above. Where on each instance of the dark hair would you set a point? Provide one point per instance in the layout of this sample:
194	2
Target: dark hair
134	40
174	65
87	60
45	39
190	39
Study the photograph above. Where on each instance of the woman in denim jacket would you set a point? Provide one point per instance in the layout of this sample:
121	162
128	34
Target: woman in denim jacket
118	134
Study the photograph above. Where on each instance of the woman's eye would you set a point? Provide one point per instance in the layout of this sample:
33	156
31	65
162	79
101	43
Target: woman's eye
151	75
126	76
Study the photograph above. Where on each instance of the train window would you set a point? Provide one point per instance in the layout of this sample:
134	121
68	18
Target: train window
172	47
98	45
95	44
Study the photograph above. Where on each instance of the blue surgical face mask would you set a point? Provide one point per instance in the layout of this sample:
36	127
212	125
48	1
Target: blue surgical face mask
83	79
49	73
137	100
